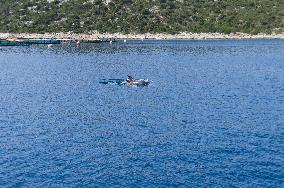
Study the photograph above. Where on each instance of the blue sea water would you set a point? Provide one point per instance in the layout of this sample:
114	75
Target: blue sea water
212	116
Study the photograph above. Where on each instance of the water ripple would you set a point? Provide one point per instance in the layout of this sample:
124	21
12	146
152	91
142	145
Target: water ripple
212	117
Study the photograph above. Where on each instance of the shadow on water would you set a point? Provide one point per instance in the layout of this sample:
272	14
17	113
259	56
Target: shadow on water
120	82
112	81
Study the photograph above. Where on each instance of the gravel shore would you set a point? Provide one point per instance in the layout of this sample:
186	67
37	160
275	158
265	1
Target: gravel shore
161	36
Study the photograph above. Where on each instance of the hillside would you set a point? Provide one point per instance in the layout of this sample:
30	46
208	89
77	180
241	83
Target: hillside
141	16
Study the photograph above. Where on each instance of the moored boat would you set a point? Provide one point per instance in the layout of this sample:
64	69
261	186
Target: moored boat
130	81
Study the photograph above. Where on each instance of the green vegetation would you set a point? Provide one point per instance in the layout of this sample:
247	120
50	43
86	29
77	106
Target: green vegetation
141	16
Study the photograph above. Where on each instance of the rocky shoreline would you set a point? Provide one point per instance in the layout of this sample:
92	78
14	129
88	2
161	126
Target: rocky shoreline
161	36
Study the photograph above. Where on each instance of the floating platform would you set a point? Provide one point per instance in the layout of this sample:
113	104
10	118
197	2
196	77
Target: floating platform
12	43
42	41
96	40
30	41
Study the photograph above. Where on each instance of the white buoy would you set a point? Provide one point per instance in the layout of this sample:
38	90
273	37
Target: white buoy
110	42
78	43
124	41
50	45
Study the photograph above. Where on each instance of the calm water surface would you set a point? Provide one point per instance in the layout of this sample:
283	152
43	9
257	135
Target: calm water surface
213	115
